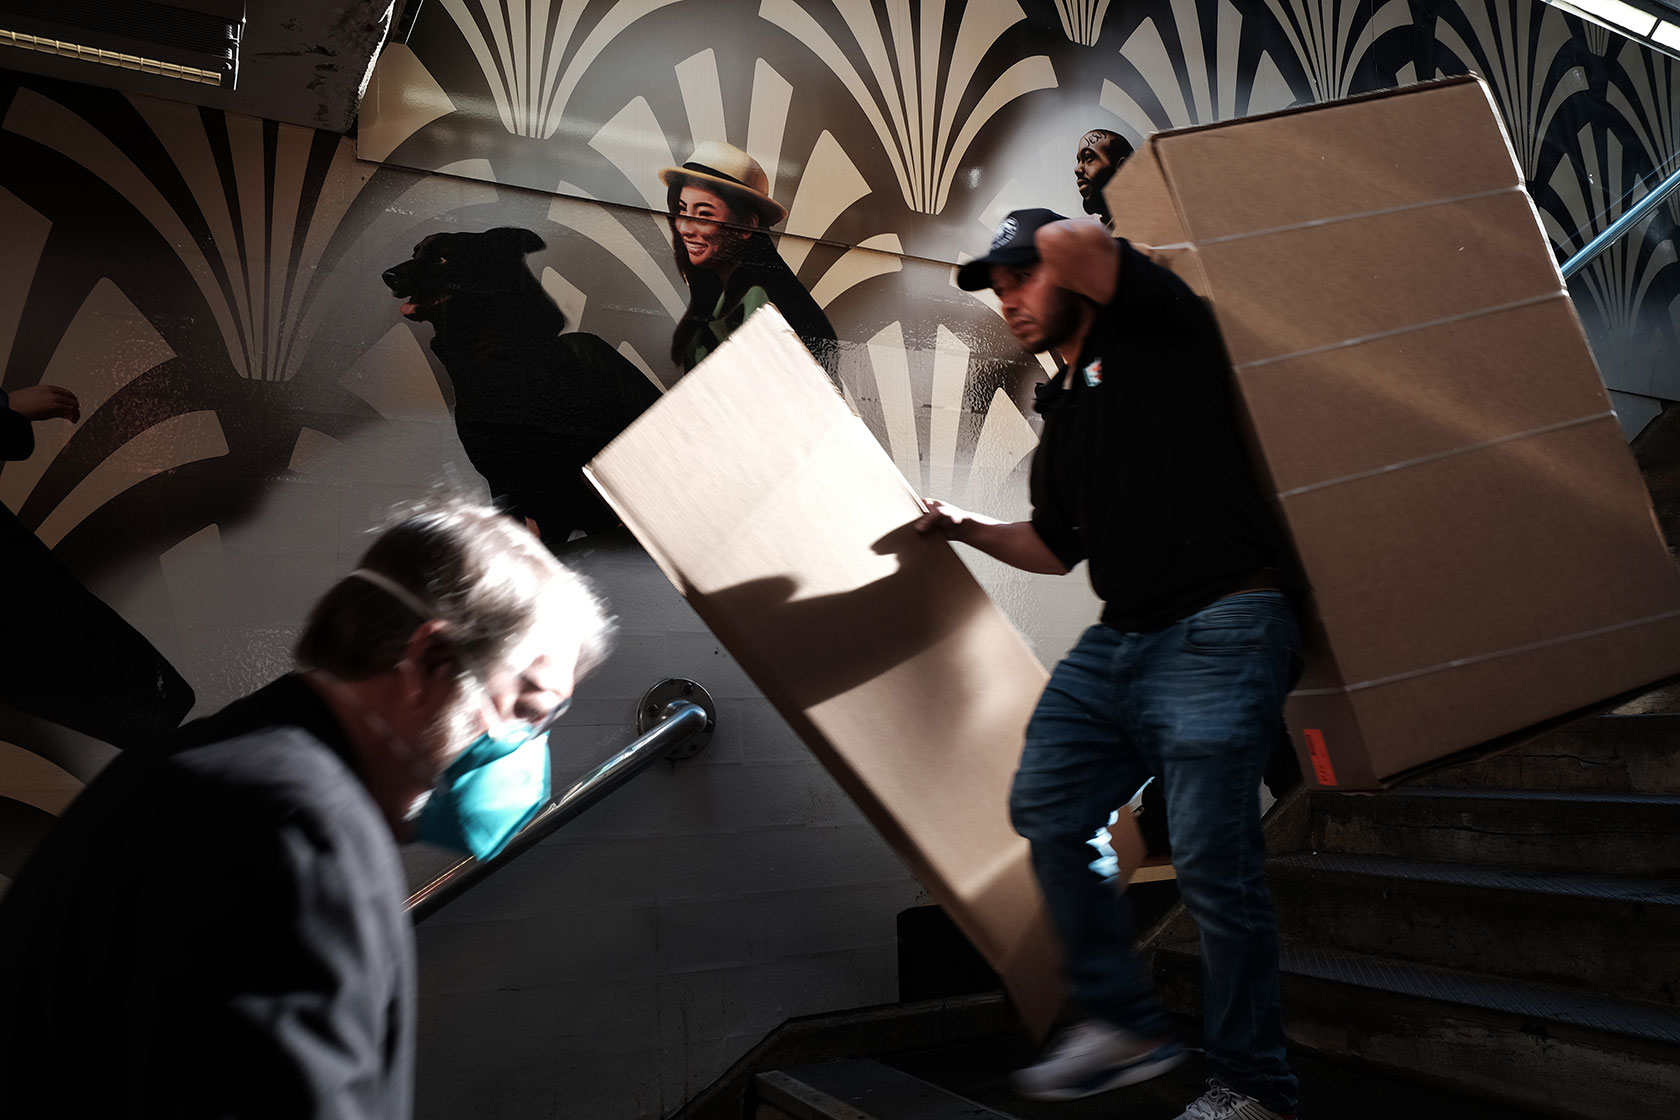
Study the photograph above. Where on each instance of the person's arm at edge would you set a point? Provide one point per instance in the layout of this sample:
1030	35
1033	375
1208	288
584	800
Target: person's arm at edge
17	435
1081	257
1015	543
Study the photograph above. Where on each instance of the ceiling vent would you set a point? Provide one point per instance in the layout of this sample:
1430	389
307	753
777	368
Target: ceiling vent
194	40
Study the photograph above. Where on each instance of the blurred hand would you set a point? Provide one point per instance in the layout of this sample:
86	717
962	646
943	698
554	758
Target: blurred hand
945	519
45	402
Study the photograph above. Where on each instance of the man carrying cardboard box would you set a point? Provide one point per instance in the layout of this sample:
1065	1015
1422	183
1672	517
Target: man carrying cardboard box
1142	472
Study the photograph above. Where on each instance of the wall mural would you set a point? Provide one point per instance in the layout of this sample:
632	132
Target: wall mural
552	211
532	405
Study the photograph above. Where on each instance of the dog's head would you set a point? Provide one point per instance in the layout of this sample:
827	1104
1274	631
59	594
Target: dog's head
484	275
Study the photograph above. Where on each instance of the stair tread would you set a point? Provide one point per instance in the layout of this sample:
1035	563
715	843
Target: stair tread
1331	1086
1492	993
865	1089
1652	890
1610	723
1570	796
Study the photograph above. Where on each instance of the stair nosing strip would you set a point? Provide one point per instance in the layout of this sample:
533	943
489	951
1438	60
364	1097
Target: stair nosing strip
1641	889
1462	793
1653	1022
798	1090
790	1074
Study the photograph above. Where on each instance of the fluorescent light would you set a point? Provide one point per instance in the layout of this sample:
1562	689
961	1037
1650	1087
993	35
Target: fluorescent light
1668	35
85	53
1621	15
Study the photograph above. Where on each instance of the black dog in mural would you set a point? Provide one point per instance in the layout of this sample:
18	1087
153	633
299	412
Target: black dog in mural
532	405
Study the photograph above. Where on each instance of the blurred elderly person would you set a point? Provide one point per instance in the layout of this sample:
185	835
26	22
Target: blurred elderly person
720	208
216	926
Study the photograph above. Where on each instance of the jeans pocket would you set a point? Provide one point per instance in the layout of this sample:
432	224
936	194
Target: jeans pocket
1236	624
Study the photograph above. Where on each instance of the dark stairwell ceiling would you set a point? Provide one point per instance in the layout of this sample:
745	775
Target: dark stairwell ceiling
303	62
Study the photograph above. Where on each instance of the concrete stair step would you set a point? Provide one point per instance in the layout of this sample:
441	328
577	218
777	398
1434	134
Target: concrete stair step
1611	753
1607	933
859	1089
858	1033
1560	1051
969	1045
1550	830
1332	1088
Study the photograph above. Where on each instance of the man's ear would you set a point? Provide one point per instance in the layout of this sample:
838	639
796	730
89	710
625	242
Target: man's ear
429	666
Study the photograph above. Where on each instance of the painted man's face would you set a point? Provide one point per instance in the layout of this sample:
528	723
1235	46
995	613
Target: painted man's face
708	242
1093	167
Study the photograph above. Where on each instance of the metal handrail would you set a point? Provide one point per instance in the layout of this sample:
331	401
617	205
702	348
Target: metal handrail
668	730
1621	225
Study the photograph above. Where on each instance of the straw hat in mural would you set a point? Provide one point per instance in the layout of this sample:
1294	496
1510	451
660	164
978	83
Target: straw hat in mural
732	173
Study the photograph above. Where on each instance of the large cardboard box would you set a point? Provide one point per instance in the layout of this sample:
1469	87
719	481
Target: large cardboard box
787	527
1481	549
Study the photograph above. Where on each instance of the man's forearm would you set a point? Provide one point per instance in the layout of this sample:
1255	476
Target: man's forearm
1016	543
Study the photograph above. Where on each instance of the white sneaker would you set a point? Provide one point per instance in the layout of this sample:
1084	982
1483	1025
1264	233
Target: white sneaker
1221	1102
1093	1057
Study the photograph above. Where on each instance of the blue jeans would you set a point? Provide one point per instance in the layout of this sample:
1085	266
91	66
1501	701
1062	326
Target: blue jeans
1196	705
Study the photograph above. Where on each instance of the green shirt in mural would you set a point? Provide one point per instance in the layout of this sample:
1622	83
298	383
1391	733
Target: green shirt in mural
729	314
763	279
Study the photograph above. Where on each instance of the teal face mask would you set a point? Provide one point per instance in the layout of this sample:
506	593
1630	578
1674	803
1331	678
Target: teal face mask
493	788
491	791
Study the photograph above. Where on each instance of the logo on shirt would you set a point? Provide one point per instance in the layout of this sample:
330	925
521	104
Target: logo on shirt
1093	373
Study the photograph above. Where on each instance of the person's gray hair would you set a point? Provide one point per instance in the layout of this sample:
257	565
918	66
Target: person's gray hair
477	570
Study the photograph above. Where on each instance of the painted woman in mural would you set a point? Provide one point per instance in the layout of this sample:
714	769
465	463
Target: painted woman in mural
532	405
720	209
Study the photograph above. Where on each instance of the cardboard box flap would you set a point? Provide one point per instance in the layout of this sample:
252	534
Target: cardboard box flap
1142	204
773	509
1146	214
1364	155
1340	283
1387	731
1481	551
1500	549
814	411
1405	397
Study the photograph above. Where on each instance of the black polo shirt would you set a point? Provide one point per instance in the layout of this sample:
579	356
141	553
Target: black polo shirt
1142	470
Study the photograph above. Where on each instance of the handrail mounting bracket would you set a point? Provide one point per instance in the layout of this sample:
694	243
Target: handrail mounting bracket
655	705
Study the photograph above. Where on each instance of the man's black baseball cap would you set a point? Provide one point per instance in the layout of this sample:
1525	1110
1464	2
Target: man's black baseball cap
1011	244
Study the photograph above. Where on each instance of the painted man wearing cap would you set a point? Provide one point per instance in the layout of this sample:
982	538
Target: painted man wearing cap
720	208
215	927
1142	473
1098	157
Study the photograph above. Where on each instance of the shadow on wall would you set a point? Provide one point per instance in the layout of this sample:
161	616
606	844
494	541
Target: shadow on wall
67	658
824	646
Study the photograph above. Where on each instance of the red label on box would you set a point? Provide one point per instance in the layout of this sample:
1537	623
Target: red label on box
1323	772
